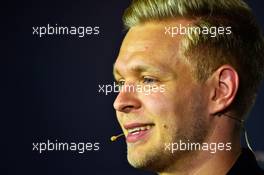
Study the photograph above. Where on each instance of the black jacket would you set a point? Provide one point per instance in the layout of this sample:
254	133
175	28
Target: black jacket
246	164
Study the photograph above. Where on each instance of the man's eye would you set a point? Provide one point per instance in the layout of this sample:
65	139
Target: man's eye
148	80
121	82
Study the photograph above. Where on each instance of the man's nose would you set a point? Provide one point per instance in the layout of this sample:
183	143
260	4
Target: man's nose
127	102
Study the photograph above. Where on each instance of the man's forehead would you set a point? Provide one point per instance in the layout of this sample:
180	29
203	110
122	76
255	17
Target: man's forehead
150	36
147	32
158	29
149	44
141	40
139	46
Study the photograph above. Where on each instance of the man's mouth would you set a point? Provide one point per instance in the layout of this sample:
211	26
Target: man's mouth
137	131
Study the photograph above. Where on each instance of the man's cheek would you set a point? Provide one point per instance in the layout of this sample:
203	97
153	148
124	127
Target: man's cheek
155	105
159	109
119	118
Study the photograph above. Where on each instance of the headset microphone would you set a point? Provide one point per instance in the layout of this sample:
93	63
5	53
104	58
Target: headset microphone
114	138
243	127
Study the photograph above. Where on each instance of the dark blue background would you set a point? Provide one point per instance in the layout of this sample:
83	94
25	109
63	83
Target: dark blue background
49	88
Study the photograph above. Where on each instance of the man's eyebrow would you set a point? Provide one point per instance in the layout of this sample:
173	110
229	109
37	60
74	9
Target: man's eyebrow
145	68
139	69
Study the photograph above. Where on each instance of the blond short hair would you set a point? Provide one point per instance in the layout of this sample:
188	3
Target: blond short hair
243	48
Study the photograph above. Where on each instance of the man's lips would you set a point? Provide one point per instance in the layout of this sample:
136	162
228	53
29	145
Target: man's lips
137	131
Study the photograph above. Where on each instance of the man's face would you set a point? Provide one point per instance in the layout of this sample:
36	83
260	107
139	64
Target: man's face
149	57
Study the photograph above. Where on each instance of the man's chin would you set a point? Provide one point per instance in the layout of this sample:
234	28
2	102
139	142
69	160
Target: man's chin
137	156
146	162
144	157
138	162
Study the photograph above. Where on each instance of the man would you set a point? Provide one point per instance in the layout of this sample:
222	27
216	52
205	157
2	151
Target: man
208	57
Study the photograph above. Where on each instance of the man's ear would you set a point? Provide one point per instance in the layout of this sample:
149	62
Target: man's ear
223	88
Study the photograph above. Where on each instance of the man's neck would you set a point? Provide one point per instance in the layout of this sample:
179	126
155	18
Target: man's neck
206	162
